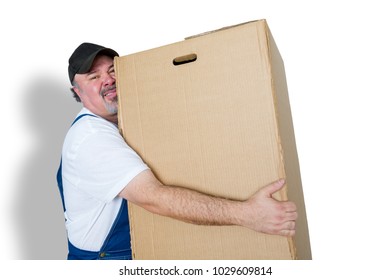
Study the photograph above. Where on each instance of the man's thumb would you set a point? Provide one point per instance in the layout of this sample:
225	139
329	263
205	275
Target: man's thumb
273	187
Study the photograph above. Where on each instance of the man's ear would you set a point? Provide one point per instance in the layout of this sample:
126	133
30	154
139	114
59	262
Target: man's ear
76	93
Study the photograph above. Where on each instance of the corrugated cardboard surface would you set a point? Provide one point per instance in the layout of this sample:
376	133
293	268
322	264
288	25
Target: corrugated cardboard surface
221	125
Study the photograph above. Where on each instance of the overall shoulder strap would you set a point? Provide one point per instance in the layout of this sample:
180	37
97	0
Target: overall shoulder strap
80	116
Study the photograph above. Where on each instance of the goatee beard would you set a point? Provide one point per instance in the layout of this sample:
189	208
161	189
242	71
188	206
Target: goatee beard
112	107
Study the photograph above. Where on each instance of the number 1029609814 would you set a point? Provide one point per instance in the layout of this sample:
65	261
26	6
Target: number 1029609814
242	270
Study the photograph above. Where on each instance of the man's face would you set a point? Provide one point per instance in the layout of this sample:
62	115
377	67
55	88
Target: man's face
97	89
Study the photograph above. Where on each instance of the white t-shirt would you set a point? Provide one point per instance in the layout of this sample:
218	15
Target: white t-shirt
96	165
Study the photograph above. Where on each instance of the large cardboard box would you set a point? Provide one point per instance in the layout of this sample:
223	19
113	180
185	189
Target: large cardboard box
211	113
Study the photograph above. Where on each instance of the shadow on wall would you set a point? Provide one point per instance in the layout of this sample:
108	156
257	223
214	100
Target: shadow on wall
49	109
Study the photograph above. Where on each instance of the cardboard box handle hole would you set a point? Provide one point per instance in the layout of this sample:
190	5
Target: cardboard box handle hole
184	59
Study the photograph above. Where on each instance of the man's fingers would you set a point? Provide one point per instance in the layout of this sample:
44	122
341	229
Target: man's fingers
289	206
291	216
290	225
290	211
287	229
287	233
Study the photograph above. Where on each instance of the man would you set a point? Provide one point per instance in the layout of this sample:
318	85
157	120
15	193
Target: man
100	172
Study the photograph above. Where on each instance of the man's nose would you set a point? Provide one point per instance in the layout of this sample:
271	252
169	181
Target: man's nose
108	79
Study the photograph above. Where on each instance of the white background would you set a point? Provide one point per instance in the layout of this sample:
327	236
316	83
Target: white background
337	59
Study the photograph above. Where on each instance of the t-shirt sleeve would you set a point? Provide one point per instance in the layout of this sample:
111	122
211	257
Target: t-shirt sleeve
106	164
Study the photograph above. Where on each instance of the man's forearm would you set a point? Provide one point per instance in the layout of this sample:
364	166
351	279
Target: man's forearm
197	208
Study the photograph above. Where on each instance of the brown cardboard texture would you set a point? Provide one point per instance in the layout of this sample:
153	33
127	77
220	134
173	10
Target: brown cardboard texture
211	113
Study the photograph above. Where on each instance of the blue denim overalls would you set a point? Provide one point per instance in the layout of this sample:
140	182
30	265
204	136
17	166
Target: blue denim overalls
117	244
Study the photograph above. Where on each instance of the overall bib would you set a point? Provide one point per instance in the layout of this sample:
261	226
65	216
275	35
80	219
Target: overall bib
117	243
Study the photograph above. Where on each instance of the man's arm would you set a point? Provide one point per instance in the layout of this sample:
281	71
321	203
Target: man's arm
260	212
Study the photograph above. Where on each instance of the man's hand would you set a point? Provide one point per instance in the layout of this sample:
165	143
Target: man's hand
268	215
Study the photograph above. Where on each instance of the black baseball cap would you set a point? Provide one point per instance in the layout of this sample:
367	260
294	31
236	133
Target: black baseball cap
82	58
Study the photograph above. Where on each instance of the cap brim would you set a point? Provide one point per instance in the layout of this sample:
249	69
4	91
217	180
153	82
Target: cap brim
86	66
